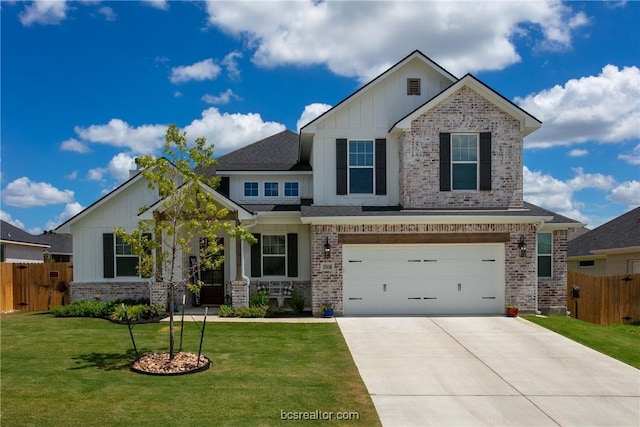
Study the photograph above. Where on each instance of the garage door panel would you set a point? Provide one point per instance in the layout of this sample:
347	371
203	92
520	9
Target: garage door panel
423	279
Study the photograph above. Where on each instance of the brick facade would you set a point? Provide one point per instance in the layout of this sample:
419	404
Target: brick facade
520	272
463	111
106	291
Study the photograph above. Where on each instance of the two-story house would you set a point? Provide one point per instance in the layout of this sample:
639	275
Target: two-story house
405	198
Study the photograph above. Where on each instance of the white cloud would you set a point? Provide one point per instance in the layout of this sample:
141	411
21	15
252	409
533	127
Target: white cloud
71	209
73	144
577	152
177	94
108	13
199	71
230	63
221	99
603	108
143	139
457	36
550	193
158	4
6	217
96	174
632	158
44	12
310	112
590	180
24	193
120	165
627	193
72	176
231	131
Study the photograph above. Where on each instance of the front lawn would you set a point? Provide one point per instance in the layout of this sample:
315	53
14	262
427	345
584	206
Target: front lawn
75	372
618	341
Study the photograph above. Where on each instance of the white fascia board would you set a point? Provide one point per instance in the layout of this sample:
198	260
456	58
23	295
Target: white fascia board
416	219
585	257
262	173
613	251
560	226
33	245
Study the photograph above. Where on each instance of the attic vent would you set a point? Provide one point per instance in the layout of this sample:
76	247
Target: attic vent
413	86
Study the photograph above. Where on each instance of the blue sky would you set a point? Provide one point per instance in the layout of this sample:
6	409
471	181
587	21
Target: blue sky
87	86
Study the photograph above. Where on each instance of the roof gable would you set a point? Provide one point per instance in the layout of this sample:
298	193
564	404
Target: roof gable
528	122
620	232
277	152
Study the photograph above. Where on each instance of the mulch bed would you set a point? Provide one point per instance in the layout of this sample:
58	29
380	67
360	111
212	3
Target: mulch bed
159	364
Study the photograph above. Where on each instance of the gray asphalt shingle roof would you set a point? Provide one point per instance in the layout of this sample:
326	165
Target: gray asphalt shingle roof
620	232
277	152
11	233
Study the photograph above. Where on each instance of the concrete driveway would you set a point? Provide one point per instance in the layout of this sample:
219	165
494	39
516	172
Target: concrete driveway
487	371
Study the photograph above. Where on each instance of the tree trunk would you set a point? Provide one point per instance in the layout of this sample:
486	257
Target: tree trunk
172	298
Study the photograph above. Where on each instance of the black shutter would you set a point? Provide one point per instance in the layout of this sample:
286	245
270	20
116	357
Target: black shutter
108	255
223	188
292	255
381	167
147	238
341	166
485	161
445	162
256	257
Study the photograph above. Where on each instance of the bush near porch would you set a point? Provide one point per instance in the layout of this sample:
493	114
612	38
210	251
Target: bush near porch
75	371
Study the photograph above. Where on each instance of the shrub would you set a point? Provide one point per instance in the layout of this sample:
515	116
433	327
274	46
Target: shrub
258	299
84	308
137	312
297	302
255	311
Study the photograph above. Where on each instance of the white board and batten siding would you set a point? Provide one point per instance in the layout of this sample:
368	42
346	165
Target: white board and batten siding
369	114
423	279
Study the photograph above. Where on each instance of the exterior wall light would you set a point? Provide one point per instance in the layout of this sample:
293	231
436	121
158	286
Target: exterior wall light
327	249
522	246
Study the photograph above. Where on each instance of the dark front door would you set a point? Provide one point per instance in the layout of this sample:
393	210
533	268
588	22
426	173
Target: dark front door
212	291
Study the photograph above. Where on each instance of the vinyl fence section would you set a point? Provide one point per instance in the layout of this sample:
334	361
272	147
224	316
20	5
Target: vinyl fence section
34	287
604	300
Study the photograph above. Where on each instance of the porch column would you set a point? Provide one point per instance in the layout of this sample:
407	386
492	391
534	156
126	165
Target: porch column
239	287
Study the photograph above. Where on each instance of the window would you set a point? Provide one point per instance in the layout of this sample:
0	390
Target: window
544	255
464	162
361	167
250	189
1	253
413	86
271	189
274	255
587	263
126	262
291	189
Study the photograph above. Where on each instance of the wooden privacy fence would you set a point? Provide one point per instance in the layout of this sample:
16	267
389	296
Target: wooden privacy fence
604	299
34	287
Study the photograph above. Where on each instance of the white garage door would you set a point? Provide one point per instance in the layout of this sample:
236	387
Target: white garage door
423	279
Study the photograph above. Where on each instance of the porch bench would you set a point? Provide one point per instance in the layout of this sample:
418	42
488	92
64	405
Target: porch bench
278	289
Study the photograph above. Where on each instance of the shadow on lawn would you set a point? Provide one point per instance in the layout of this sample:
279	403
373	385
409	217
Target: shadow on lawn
106	361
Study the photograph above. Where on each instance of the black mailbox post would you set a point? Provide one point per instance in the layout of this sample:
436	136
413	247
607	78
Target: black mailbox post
575	294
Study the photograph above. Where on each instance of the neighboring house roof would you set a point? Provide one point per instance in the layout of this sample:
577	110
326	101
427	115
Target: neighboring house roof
528	122
61	243
278	152
619	233
12	234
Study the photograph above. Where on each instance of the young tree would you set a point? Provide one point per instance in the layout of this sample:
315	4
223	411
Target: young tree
186	217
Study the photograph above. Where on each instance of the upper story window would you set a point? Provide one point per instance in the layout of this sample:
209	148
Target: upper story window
291	189
545	263
464	161
250	189
361	167
271	189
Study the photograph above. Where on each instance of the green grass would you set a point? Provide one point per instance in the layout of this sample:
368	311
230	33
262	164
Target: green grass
75	372
618	341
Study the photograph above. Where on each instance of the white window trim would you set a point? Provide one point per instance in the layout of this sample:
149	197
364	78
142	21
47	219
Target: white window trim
538	255
264	187
116	255
285	255
372	167
466	162
284	189
244	194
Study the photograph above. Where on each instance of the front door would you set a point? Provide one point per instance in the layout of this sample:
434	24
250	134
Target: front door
212	291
